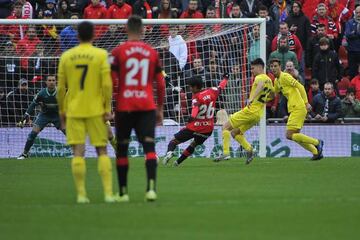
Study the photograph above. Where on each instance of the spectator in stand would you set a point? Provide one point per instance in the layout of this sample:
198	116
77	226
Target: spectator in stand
222	11
10	68
352	35
192	31
343	84
96	10
211	29
111	38
326	105
27	9
165	11
250	7
18	100
326	65
284	54
63	10
5	8
339	13
322	17
236	12
355	82
313	90
279	10
68	36
14	32
271	25
49	35
299	23
313	47
254	49
350	106
197	70
119	10
290	68
26	47
50	5
143	9
293	41
214	73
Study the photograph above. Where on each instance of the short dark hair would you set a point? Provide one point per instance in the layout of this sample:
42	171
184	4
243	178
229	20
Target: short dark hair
134	24
196	81
324	41
314	81
263	8
211	8
258	61
86	31
350	90
329	83
275	60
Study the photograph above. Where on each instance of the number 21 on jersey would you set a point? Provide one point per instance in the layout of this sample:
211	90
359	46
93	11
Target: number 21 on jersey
135	67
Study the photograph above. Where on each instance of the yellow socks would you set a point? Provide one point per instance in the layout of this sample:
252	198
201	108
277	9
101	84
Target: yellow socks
311	148
78	168
243	142
226	142
113	143
105	172
302	138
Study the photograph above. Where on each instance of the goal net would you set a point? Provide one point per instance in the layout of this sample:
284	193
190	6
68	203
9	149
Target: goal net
30	52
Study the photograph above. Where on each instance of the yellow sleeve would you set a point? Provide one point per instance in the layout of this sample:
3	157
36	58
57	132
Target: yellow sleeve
61	87
276	86
106	83
295	83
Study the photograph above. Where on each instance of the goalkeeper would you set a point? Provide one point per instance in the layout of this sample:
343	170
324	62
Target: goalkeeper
49	113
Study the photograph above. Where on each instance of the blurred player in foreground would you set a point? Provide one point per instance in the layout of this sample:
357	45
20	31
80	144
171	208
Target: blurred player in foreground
136	66
298	108
241	121
49	113
201	122
84	72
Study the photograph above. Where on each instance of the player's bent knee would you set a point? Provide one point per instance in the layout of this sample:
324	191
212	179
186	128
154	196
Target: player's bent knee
227	126
235	132
36	129
289	135
78	150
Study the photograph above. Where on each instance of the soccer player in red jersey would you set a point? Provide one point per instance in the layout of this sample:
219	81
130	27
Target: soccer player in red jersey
135	67
201	122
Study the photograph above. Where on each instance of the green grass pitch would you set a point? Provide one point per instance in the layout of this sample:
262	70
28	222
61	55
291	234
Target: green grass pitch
268	199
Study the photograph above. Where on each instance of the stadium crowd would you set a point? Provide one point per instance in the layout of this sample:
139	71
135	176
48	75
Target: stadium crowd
317	41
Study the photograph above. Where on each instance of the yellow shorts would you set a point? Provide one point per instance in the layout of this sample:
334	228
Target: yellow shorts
243	120
296	119
78	128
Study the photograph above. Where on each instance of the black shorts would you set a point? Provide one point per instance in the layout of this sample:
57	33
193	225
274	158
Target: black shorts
186	134
142	122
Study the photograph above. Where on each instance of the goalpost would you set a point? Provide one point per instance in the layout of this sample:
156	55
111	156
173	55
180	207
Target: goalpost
187	47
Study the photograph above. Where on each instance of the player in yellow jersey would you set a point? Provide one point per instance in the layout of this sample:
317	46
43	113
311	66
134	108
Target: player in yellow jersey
298	107
241	121
84	99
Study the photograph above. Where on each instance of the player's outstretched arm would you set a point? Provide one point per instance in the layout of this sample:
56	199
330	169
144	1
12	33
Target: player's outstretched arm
160	90
106	85
224	81
61	86
258	90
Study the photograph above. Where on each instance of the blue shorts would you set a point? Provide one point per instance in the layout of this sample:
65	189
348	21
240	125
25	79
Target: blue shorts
44	119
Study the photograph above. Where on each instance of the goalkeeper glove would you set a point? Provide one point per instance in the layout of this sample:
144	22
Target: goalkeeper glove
24	120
